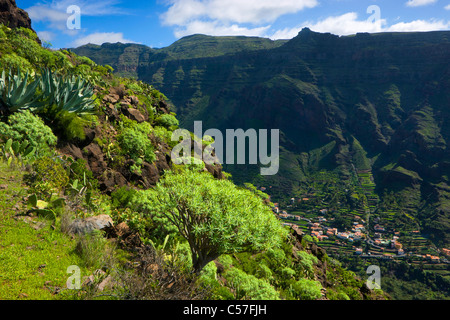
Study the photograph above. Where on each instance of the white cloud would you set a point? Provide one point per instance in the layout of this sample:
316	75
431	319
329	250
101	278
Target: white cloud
229	17
100	38
55	12
46	35
182	12
447	7
345	24
419	3
348	23
419	25
214	28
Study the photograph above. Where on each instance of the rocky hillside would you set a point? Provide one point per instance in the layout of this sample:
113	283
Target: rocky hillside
376	102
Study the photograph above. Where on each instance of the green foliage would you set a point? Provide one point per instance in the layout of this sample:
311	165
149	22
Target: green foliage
94	250
48	176
167	121
123	197
305	289
70	94
14	62
136	143
249	287
24	126
214	216
66	125
15	91
307	261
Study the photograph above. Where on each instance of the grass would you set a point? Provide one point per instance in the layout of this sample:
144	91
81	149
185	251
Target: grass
34	254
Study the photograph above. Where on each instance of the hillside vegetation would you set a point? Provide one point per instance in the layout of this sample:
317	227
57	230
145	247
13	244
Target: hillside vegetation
87	180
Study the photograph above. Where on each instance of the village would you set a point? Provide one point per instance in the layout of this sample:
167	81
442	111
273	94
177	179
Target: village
365	239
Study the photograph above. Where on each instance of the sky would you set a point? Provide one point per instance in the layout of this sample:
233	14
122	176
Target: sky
159	23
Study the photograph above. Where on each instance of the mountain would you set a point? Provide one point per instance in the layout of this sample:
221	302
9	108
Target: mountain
126	59
367	102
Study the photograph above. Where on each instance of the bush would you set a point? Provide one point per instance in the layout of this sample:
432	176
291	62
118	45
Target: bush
24	126
95	251
48	176
307	262
305	289
15	62
136	144
249	287
167	121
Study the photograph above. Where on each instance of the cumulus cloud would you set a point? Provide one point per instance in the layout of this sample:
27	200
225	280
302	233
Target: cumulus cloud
447	7
348	23
101	38
46	35
229	17
55	14
182	12
419	3
217	29
420	25
345	24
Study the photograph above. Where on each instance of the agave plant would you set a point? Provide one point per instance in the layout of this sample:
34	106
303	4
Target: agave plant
71	94
16	93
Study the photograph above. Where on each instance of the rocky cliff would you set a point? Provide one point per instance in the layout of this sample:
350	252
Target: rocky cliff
12	16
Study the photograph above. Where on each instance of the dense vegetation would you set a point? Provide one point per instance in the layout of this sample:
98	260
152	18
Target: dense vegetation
77	143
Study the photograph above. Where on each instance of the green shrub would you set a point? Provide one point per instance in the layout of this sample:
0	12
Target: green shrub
123	197
307	262
167	121
136	144
14	62
48	176
249	287
24	126
68	126
305	289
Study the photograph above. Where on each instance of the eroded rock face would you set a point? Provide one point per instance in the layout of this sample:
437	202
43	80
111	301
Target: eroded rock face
12	16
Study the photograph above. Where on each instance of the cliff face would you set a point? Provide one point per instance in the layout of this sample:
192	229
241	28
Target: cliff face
12	16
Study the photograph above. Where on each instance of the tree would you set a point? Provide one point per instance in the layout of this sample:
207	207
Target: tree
214	216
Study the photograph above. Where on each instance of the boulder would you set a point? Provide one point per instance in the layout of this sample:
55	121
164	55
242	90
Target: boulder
136	115
91	224
111	98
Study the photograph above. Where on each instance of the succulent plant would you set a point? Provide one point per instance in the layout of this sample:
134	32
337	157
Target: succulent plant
70	94
15	91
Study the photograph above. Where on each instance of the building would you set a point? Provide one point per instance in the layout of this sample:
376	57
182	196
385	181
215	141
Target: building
358	251
343	235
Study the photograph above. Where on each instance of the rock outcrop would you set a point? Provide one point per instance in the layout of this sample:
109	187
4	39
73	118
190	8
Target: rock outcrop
12	16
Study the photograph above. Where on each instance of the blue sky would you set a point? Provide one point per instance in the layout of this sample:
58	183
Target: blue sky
159	23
